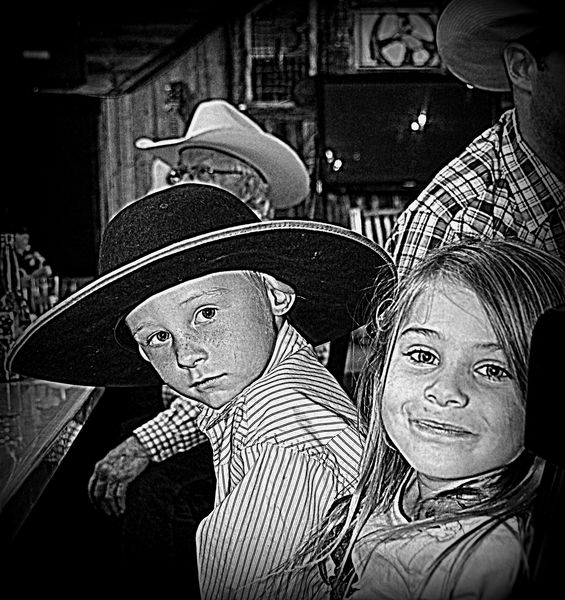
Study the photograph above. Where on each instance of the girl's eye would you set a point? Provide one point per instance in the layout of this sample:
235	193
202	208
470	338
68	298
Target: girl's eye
494	372
158	339
422	356
206	314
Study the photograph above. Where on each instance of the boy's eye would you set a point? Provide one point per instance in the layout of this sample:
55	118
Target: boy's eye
158	339
493	372
422	356
205	314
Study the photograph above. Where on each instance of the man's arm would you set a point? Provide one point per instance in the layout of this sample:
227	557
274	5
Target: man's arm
111	476
171	431
416	233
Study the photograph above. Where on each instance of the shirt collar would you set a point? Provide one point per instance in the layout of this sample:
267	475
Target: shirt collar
520	149
517	153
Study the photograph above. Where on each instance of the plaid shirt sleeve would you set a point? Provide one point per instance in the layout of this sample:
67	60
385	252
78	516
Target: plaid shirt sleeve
450	209
173	430
413	236
416	233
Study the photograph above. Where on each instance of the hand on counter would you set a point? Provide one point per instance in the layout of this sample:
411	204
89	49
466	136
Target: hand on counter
108	485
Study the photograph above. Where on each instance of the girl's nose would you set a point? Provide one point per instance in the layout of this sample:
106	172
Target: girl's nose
447	389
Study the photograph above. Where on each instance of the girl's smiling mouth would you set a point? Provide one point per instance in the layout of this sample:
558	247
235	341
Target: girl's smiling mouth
439	428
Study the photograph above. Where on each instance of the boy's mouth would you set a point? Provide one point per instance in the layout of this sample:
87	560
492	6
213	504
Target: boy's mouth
205	382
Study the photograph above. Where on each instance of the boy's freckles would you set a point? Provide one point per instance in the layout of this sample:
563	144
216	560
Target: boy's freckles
208	338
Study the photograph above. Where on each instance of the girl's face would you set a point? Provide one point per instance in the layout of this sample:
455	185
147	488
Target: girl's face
450	404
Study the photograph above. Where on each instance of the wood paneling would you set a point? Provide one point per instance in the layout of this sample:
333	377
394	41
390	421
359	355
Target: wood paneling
126	171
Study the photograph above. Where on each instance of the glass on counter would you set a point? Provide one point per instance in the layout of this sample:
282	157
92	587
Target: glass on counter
15	315
39	421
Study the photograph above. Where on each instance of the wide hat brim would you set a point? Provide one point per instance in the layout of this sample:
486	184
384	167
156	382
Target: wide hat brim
471	36
278	163
333	271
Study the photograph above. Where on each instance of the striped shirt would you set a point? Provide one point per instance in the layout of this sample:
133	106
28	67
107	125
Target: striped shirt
284	449
496	188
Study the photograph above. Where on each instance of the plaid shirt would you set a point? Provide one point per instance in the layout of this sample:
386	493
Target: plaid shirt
284	449
173	430
497	187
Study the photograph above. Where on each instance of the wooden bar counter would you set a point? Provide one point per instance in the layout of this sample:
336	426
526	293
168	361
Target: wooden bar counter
39	421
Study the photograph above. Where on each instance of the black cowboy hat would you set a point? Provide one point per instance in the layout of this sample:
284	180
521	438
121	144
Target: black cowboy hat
180	233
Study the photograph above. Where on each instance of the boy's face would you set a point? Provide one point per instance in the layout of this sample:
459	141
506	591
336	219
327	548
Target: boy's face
450	404
208	338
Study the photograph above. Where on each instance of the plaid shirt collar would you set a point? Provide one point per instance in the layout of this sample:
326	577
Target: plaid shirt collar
519	162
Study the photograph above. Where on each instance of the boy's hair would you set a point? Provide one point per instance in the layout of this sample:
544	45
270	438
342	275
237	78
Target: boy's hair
515	283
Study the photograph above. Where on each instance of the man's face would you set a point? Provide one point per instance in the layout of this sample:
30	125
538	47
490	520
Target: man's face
220	169
208	338
548	98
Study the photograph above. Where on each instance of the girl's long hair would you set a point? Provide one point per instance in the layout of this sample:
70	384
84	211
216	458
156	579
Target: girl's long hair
515	283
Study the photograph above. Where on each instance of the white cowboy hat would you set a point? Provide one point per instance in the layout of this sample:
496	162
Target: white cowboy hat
471	36
218	125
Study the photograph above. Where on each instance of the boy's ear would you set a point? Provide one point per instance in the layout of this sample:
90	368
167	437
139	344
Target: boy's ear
281	296
520	65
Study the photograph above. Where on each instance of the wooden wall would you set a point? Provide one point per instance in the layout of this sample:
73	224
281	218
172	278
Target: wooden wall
124	170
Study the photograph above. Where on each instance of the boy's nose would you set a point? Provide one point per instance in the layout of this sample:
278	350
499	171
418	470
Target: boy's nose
447	389
189	353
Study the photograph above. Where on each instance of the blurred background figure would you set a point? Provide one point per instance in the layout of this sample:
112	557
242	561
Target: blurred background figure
30	260
40	287
224	147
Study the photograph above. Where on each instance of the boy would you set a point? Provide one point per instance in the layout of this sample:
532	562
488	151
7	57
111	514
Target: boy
224	147
225	309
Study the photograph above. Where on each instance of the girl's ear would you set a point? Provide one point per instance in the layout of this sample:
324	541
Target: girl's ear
520	66
281	296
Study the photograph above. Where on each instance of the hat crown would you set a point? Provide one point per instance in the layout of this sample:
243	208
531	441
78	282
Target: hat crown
471	36
218	115
168	216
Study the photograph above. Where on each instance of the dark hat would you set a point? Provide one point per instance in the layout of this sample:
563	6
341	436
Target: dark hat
181	233
471	36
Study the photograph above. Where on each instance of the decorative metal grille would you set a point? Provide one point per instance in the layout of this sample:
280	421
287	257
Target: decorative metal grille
279	50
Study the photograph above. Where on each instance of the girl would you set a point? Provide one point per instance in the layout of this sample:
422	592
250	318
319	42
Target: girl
444	502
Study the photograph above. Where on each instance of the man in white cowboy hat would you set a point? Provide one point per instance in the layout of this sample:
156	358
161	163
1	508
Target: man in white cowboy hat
510	180
225	147
196	291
